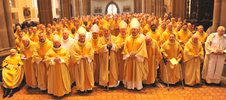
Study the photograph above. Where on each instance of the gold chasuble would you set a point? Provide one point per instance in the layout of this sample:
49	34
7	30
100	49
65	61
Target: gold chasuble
120	43
82	55
12	72
170	73
29	67
38	57
135	67
154	57
108	70
59	82
96	62
193	56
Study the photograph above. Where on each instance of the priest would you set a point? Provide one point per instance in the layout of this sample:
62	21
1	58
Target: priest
135	56
193	56
12	73
59	82
82	55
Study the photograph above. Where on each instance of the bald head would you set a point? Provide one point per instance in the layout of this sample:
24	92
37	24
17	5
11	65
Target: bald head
221	30
169	26
172	37
25	41
42	37
66	34
200	29
195	38
148	40
12	52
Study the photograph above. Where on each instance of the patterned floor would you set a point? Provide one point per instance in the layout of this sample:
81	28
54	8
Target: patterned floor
204	92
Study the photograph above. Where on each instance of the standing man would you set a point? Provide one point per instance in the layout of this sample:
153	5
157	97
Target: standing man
82	55
95	44
120	42
42	47
172	52
193	56
215	56
154	57
108	58
135	56
59	82
27	51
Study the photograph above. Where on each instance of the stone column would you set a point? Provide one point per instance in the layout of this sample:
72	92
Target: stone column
45	11
9	23
179	8
216	14
66	8
6	31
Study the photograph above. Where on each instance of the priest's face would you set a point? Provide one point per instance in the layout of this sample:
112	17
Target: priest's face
106	33
26	42
42	38
95	35
170	27
20	34
153	28
56	44
200	29
221	31
123	32
195	39
12	52
172	38
185	28
82	38
65	35
134	31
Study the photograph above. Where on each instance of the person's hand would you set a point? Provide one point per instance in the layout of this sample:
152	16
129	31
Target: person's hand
196	56
84	57
220	52
109	45
132	54
57	59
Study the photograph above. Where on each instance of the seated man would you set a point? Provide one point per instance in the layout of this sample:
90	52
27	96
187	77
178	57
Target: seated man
12	73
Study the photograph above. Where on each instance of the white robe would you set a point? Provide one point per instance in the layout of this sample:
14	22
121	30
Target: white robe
215	63
67	44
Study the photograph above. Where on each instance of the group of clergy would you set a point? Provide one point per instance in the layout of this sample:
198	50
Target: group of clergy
110	49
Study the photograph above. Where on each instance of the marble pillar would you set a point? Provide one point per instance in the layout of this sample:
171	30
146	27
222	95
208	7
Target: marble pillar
45	11
216	14
66	8
6	31
179	8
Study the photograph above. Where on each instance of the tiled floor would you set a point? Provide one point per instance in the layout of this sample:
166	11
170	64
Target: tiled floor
148	93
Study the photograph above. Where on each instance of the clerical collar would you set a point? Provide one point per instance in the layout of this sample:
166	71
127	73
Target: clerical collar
66	40
28	45
171	42
135	36
94	39
108	38
56	49
42	42
81	44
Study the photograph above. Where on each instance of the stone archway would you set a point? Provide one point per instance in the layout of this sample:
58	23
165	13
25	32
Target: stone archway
112	4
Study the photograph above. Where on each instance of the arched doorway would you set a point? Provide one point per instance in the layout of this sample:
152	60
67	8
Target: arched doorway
112	8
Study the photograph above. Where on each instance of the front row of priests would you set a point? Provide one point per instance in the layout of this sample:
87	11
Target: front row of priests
133	59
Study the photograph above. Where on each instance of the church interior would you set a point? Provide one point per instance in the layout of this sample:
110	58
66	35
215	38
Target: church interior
113	49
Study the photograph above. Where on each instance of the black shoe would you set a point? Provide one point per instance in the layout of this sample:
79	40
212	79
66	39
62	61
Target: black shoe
89	91
6	93
11	93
